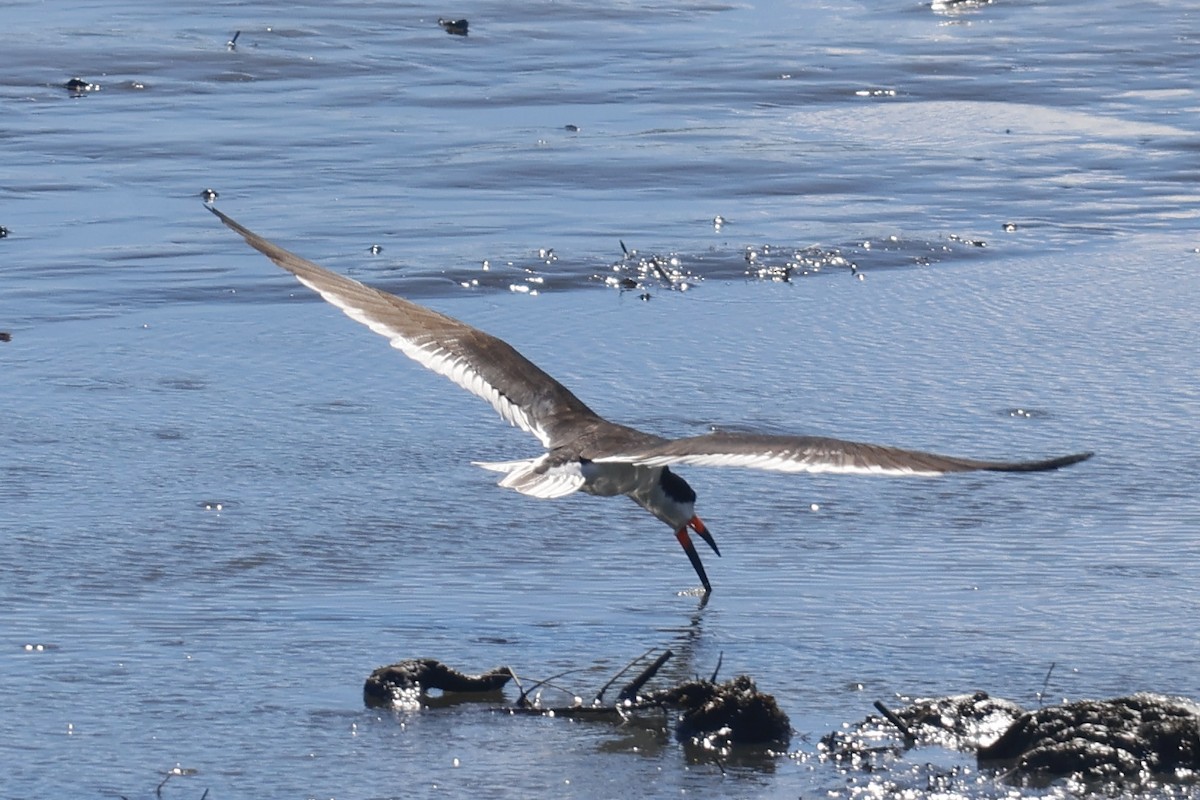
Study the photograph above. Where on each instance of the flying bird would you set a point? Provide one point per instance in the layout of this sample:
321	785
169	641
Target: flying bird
584	451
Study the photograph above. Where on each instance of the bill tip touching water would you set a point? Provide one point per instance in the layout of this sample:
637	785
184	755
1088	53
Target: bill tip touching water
583	451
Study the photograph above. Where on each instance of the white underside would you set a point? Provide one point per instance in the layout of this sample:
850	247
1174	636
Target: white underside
604	480
641	484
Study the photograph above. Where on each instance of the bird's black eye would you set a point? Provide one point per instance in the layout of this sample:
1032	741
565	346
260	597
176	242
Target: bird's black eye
676	487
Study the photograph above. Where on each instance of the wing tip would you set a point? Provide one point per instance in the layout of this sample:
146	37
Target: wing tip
1044	465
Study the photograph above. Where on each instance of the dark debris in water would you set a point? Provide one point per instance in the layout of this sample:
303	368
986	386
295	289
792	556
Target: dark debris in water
417	676
78	86
455	27
1140	742
1127	741
715	717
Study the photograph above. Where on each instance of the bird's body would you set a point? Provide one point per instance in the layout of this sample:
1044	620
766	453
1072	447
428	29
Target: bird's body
584	451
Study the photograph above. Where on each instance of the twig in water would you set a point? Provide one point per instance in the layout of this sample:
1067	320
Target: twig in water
627	667
522	702
720	658
630	691
899	723
1045	683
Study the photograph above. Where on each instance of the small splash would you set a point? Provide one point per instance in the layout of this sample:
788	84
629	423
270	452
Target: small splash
783	265
635	271
967	240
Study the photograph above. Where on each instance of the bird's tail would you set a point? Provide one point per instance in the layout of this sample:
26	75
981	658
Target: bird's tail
531	476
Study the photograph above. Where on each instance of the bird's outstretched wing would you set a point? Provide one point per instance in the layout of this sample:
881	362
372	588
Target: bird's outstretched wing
817	454
480	363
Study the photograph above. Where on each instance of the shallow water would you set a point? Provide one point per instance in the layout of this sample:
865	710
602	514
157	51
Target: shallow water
222	503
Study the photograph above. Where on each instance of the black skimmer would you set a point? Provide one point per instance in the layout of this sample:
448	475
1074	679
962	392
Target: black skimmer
584	451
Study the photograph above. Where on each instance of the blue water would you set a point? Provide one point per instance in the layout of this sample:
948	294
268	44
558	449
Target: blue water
222	504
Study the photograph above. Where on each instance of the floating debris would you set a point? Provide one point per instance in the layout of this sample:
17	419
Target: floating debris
634	271
421	675
714	716
1132	741
209	195
78	86
719	715
176	771
1128	740
456	27
963	240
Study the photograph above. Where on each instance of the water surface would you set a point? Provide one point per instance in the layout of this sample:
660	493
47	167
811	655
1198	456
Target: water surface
222	503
